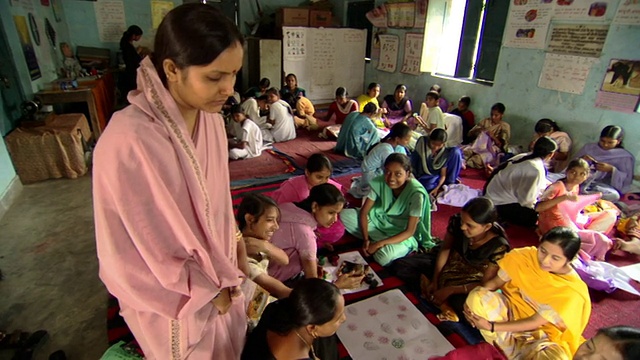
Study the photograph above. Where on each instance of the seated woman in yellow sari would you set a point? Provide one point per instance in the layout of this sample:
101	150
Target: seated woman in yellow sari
542	298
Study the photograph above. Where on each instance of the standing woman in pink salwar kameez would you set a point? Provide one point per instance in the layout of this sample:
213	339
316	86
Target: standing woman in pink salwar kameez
165	230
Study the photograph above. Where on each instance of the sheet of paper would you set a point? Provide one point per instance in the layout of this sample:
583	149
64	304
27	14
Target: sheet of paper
158	10
617	102
412	53
26	5
633	271
566	73
585	10
378	16
27	47
324	61
354	257
527	24
421	14
628	13
401	15
389	326
388	53
294	44
584	40
353	39
375	42
110	20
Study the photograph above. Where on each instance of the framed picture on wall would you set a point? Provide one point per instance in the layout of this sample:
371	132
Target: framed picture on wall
57	10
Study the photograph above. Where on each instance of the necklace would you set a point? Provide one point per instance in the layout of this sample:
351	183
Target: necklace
310	346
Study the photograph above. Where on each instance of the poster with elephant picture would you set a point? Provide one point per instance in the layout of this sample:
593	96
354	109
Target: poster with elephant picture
620	88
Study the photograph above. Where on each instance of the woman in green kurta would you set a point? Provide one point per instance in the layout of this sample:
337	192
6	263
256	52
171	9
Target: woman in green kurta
396	216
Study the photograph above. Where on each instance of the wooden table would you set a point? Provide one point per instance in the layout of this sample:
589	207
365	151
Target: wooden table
81	94
99	94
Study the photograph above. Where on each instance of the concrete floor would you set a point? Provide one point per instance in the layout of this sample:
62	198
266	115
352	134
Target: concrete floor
48	257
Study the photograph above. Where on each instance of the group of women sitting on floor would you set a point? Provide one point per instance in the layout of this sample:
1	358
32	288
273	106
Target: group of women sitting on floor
517	185
598	174
303	325
542	307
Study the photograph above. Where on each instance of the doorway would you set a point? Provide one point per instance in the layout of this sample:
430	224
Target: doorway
11	94
356	19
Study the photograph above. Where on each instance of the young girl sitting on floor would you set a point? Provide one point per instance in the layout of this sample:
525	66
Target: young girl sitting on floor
373	164
557	208
548	127
515	185
257	218
297	188
542	298
291	86
304	111
293	328
431	117
395	218
283	127
342	106
434	164
613	164
468	255
296	235
491	138
249	145
398	107
373	91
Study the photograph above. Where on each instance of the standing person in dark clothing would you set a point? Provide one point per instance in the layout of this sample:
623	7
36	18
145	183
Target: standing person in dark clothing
131	59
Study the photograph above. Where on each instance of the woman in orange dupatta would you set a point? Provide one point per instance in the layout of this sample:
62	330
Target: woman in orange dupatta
165	231
542	299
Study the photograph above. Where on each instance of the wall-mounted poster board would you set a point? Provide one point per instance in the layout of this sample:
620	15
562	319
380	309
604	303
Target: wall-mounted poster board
324	59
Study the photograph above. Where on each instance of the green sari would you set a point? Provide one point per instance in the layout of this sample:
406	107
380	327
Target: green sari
389	216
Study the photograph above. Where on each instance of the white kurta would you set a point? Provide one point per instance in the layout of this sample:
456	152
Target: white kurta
520	183
284	128
453	125
252	135
251	109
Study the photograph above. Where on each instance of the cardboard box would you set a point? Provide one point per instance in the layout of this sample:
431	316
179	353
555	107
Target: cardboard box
320	18
292	17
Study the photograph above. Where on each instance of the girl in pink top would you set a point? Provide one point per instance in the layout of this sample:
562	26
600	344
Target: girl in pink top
560	205
296	235
318	171
166	236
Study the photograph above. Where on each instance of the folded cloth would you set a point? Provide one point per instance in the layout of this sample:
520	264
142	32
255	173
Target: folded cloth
457	195
603	276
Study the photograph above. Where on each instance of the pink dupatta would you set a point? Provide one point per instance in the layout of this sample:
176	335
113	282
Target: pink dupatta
165	232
